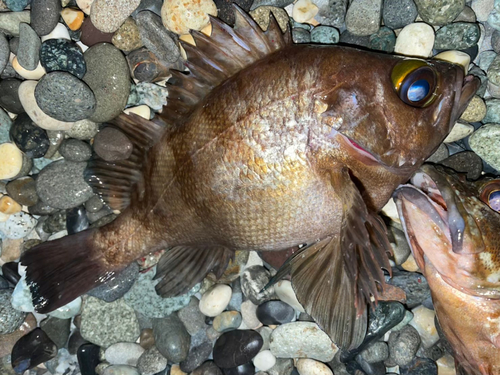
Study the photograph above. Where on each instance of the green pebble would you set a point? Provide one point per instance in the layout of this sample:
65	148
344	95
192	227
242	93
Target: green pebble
325	35
383	40
458	35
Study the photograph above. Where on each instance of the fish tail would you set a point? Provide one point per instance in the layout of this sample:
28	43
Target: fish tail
61	270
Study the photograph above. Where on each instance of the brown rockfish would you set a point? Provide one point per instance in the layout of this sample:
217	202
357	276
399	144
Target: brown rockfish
264	145
453	227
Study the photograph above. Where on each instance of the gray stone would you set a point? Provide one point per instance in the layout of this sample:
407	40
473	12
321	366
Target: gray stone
192	317
94	204
492	111
363	17
156	38
9	97
64	97
331	12
10	21
415	286
61	184
283	366
108	77
4	53
440	154
63	363
399	13
439	12
10	318
171	338
348	38
458	35
45	15
83	130
466	15
57	330
376	352
465	162
196	356
119	285
253	279
485	59
151	362
16	5
300	35
495	41
403	345
75	150
484	142
29	47
5	124
325	35
106	323
272	3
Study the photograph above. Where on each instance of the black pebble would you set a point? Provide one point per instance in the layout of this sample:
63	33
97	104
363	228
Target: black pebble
76	220
32	350
9	271
246	369
75	341
30	138
88	358
235	348
63	55
275	312
415	286
419	366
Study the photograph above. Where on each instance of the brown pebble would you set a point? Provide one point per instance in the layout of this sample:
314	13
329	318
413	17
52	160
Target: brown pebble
91	35
147	338
23	191
11	249
392	293
112	145
9	206
127	37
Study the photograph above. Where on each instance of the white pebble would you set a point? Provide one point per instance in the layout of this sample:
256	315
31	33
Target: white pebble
416	39
35	74
304	10
423	322
457	57
120	370
27	97
307	366
460	130
215	300
18	225
141	110
124	353
446	365
285	292
59	32
264	360
85	5
390	210
11	161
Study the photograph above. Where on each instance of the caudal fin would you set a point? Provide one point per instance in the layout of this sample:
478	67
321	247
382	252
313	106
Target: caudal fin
59	271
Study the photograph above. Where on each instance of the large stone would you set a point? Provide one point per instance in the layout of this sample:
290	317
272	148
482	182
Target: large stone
171	338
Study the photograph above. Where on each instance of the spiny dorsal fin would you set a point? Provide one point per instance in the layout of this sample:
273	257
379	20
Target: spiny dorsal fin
217	57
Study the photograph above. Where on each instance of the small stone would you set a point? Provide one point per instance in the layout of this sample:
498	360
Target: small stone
253	279
459	131
304	340
75	150
23	191
196	356
383	40
10	319
416	39
156	38
120	370
227	321
446	365
9	206
91	36
119	285
62	55
439	12
304	10
249	315
73	18
262	15
32	350
376	352
363	17
464	162
325	35
30	138
108	15
423	322
145	66
246	369
458	35
399	13
151	362
312	367
440	154
29	47
403	345
235	348
112	144
11	251
9	97
109	78
106	323
13	163
57	330
275	312
127	38
207	368
171	338
264	360
475	111
191	316
35	74
225	10
285	292
180	17
83	130
415	286
485	142
215	300
27	97
419	366
88	358
123	353
85	5
300	35
10	21
146	339
45	15
18	225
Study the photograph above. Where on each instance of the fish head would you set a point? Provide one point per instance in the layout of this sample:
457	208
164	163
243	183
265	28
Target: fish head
390	111
453	226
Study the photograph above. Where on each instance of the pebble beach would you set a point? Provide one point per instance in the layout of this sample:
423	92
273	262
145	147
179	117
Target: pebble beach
67	67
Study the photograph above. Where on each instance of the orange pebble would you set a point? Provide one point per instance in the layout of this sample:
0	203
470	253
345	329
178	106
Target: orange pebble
73	18
9	206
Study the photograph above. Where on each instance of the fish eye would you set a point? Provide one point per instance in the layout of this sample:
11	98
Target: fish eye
490	195
415	82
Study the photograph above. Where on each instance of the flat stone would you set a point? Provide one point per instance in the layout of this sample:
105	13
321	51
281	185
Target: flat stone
439	12
120	370
62	55
399	13
383	40
302	340
76	220
155	97
458	35
363	17
119	285
171	338
482	9
28	54
264	360
109	78
9	97
75	150
235	348
10	21
246	369
304	10
459	131
18	225
45	15
262	15
225	10
30	138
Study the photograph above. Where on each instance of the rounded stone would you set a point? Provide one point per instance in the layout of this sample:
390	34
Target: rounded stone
207	368
127	38
108	15
62	55
464	162
123	353
116	287
23	191
75	150
120	370
325	35
383	40
108	77
485	142
215	300
83	130
9	96
416	39
307	366
439	12
181	16
57	330
151	362
458	35
13	163
64	97
363	17
4	52
10	318
399	13
30	138
376	352
61	184
28	54
112	144
264	360
171	338
227	321
304	10
235	348
403	345
45	15
275	312
459	131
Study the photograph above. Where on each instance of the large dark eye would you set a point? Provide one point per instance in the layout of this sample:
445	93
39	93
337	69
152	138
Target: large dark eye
415	82
490	194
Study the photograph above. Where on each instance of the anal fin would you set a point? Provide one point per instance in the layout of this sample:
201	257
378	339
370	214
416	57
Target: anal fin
182	267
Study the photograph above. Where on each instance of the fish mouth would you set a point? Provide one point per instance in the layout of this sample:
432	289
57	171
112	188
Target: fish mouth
467	87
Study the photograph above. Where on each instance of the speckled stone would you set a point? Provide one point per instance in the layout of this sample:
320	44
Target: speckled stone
420	366
4	53
83	130
290	341
300	35
18	225
225	10
109	15
262	15
45	15
207	368
23	191
91	36
28	54
403	345
9	21
17	5
151	362
30	138
61	184
465	162
62	55
8	340
154	96
458	35
325	35
475	111
106	323
399	13
181	16
9	98
144	299
112	144
196	356
376	352
10	319
439	12
227	321
363	17
127	38
191	316
383	40
485	142
75	150
171	338
109	78
119	285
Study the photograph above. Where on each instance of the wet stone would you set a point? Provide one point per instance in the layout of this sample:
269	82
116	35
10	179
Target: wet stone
9	272
196	356
45	15
325	35
76	220
28	137
399	13
383	40
415	286
112	144
91	36
88	358
151	362
23	191
28	54
419	366
75	150
246	369
403	345
171	338
61	184
275	312
62	55
94	204
119	285
64	97
253	279
9	98
32	350
57	330
377	368
235	348
465	162
10	319
458	35
83	130
207	368
439	12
